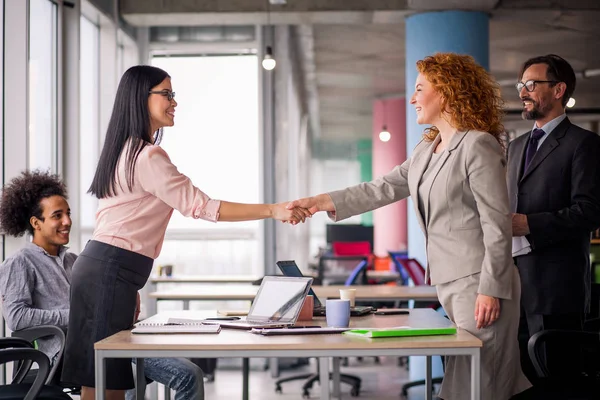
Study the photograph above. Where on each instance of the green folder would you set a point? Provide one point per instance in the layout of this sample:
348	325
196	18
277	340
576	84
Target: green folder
400	331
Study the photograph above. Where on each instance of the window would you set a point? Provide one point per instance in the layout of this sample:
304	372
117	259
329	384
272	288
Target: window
88	122
215	142
42	139
127	53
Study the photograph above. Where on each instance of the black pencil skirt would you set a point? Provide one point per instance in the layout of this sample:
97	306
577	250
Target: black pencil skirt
104	285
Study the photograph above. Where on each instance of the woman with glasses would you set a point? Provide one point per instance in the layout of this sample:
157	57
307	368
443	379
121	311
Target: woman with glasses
457	179
138	188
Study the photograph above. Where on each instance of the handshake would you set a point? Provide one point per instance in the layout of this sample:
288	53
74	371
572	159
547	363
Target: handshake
297	211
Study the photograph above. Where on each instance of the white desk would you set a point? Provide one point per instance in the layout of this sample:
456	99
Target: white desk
203	279
248	292
228	282
236	343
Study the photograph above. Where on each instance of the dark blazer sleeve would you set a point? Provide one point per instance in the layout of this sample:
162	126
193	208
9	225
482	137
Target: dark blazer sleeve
583	214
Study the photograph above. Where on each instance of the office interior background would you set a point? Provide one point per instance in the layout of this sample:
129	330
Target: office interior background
247	134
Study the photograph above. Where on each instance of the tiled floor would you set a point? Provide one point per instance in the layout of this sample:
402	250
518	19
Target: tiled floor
379	381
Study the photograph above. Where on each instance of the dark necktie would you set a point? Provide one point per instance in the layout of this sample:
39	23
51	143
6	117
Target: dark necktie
532	145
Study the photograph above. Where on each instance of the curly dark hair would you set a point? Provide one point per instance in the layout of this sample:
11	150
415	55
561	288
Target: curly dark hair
21	200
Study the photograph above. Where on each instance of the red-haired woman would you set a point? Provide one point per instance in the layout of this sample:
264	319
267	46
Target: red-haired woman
456	178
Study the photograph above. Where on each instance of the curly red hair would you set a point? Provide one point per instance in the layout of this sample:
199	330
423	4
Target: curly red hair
468	91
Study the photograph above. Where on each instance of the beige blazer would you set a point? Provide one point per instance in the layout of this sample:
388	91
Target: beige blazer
467	222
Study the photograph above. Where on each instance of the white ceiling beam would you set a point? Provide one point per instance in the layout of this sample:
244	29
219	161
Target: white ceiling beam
260	18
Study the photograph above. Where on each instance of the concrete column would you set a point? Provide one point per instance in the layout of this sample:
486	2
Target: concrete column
389	222
464	32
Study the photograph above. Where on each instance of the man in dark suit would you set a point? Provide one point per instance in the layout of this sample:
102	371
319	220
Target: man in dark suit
554	189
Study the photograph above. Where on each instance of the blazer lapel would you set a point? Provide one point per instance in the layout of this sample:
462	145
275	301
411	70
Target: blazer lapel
520	153
547	147
417	168
454	142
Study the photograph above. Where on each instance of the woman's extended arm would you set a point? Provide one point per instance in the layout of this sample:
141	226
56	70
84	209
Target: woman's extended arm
247	212
161	178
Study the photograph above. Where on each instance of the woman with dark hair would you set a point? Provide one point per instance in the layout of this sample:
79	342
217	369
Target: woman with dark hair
35	281
138	188
457	179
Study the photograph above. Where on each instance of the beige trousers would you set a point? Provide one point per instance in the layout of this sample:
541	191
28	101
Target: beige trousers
501	374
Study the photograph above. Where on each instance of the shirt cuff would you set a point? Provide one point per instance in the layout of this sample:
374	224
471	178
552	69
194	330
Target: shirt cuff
210	211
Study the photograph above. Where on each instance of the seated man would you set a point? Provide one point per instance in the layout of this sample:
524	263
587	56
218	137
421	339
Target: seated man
34	282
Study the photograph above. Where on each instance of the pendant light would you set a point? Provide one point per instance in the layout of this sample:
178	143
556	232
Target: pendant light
384	135
268	61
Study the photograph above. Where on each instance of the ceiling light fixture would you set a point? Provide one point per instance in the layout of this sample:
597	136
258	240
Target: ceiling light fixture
268	61
384	135
571	102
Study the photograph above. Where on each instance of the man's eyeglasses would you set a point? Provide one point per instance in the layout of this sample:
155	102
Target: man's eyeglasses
167	93
530	85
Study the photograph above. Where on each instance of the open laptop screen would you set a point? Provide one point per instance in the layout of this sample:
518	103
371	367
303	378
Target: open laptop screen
279	299
290	268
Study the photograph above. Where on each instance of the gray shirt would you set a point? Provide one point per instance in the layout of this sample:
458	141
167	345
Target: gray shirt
35	291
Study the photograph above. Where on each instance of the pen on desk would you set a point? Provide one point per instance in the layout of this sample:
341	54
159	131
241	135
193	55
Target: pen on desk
300	327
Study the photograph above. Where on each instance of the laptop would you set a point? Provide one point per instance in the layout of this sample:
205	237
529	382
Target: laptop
277	304
289	268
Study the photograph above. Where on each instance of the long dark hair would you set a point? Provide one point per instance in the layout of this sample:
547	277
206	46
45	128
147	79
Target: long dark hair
130	120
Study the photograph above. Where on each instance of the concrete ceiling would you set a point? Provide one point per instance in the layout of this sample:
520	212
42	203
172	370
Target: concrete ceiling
354	50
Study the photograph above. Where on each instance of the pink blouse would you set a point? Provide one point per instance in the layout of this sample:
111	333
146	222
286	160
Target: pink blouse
136	220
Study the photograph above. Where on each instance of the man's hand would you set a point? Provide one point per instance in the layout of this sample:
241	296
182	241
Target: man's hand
520	227
137	308
487	310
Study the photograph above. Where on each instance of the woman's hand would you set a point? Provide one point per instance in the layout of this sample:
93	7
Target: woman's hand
321	202
280	212
487	310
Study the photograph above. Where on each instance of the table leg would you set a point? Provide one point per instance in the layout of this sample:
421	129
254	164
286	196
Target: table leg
475	375
324	377
186	304
274	367
149	305
337	392
428	385
99	375
245	378
140	379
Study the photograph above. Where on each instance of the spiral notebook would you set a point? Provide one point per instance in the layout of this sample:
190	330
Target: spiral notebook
175	325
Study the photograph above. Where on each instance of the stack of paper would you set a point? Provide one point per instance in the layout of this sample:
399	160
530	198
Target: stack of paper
399	331
297	330
520	246
175	325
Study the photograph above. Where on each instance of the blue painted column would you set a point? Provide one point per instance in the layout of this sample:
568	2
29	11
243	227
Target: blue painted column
464	32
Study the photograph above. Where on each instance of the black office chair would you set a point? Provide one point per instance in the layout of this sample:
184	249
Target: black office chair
34	333
22	351
357	275
584	380
312	378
